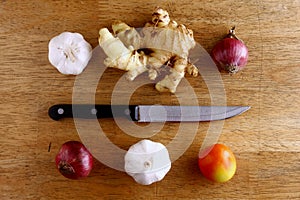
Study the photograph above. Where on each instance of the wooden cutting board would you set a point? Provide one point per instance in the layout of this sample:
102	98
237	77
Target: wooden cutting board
265	139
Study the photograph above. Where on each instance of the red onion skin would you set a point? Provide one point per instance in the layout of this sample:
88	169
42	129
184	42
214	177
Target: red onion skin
73	160
230	54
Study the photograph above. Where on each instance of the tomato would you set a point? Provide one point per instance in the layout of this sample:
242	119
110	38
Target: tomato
217	163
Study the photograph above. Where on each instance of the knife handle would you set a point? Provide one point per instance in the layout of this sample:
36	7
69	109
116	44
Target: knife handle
89	111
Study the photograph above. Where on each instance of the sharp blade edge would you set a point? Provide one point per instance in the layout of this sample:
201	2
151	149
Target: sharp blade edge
158	113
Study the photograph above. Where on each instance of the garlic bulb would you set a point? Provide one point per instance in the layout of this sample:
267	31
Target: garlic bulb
147	162
69	53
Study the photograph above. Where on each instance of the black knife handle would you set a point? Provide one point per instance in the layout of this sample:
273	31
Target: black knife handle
89	111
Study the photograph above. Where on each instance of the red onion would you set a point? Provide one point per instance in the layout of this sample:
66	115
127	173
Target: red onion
73	160
230	54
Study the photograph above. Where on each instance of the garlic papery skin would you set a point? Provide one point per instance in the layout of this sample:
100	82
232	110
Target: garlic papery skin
69	53
147	162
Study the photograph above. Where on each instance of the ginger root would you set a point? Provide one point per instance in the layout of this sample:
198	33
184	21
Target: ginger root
161	42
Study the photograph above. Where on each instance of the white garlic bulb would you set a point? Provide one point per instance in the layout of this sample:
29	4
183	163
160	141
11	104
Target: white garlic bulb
69	53
147	162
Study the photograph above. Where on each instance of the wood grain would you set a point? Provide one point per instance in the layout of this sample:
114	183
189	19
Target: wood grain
265	139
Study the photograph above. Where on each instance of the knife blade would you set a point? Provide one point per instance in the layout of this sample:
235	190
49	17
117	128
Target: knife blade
146	113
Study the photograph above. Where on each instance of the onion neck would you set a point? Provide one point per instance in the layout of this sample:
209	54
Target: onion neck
65	168
231	34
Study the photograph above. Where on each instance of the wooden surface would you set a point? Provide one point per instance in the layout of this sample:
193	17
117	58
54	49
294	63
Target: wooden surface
265	139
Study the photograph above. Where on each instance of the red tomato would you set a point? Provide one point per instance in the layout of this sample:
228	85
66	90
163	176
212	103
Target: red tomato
217	163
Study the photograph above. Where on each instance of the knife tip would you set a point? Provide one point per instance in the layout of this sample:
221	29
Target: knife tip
247	108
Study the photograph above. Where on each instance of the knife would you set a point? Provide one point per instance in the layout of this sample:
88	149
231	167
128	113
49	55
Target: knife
146	113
